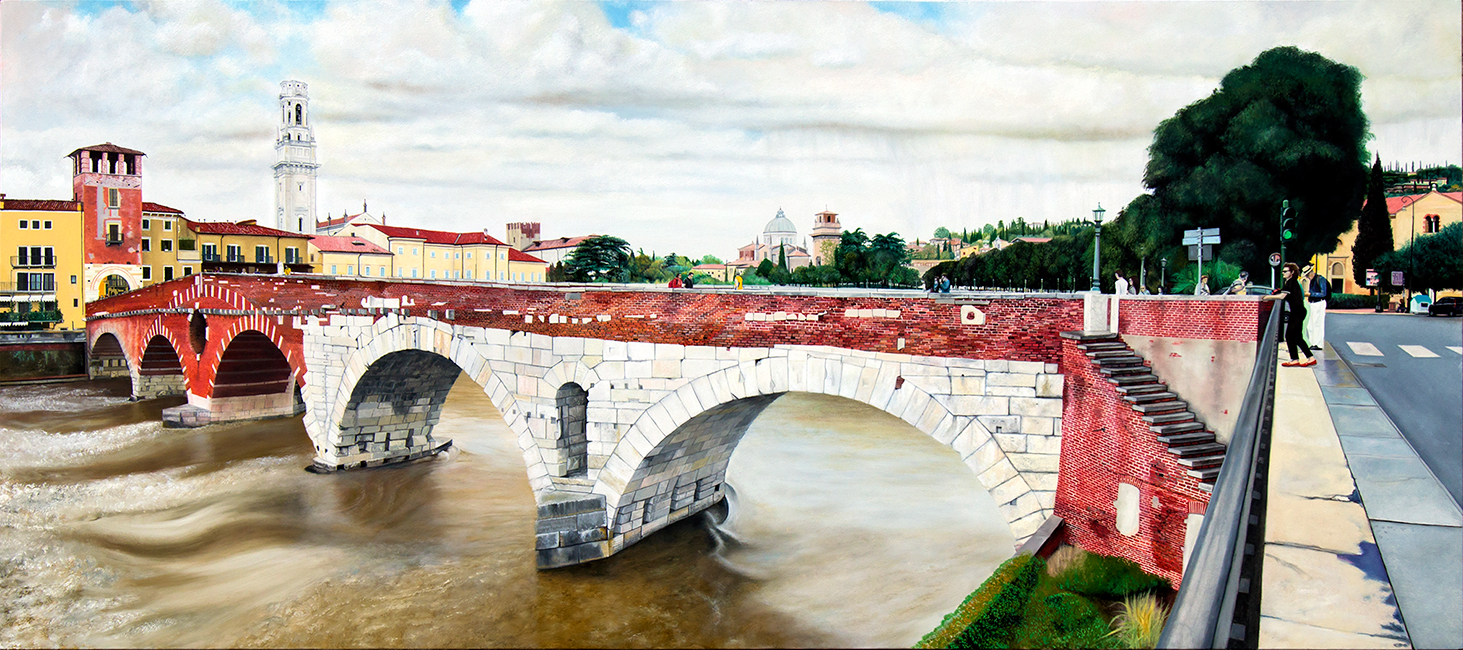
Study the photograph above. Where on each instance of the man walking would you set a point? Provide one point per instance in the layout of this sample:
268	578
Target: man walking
1318	291
1120	284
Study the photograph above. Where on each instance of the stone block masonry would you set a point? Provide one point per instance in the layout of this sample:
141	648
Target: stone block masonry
571	529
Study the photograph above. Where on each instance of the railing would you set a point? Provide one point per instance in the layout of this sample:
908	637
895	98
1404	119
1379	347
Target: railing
52	316
115	242
1219	602
263	259
36	286
33	262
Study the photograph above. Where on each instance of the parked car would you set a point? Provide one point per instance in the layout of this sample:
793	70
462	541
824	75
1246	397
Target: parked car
1258	290
1451	306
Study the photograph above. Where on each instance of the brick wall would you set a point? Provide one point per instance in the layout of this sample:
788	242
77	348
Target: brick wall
1104	443
1220	318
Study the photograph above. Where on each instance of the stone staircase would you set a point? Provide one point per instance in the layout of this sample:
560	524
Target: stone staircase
1167	416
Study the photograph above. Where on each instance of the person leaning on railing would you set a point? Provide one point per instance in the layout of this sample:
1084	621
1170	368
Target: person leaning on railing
1295	302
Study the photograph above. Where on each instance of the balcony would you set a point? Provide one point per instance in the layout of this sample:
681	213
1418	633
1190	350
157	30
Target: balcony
115	242
32	262
27	287
264	259
51	316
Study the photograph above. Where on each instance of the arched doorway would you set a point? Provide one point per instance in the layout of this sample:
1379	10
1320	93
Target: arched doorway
114	285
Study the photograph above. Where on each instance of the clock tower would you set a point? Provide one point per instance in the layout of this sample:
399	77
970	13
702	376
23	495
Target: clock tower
295	166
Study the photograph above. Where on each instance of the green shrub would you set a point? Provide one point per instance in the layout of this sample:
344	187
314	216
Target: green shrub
1060	619
1350	301
995	627
1109	577
975	604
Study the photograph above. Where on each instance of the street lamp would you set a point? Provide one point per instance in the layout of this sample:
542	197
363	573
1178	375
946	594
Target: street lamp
1097	248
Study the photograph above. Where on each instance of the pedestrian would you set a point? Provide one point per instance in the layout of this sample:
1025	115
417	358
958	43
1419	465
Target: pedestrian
1120	284
1240	285
1318	293
739	282
675	282
944	284
689	282
1295	336
1202	289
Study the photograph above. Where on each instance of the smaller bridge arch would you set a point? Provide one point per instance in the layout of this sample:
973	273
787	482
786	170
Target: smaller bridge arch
108	358
160	373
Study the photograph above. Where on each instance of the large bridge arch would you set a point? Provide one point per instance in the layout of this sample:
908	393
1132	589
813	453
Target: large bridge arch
672	463
160	372
108	355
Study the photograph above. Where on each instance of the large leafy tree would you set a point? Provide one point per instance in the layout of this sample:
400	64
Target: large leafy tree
1373	228
1287	126
599	259
1430	262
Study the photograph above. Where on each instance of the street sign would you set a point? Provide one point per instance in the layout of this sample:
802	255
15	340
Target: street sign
1208	253
1207	235
1371	278
1397	279
1275	259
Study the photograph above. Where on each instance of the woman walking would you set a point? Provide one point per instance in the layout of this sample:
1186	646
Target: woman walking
1295	301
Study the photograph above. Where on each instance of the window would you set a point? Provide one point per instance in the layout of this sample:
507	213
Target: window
114	198
235	253
46	225
44	256
333	270
400	250
457	256
350	269
469	272
469	255
24	224
167	245
413	273
210	252
167	225
167	273
413	250
365	270
187	271
73	279
114	234
291	255
1431	224
35	225
383	271
261	255
399	272
75	302
434	274
434	254
147	224
147	272
146	245
502	256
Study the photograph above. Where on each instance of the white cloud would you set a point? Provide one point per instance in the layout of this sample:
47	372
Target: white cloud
687	131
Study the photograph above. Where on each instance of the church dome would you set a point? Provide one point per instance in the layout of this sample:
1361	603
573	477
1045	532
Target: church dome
780	224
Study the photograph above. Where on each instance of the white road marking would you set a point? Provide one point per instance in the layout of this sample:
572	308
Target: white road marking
1456	349
1419	351
1363	349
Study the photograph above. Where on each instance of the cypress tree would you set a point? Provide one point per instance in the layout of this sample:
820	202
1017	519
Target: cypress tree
1373	228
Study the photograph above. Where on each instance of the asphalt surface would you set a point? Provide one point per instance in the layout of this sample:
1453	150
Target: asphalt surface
1423	395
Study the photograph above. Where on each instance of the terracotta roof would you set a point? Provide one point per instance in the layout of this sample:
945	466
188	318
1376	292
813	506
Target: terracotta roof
107	147
555	244
226	228
158	207
438	236
352	244
515	255
1396	204
1033	240
333	222
47	205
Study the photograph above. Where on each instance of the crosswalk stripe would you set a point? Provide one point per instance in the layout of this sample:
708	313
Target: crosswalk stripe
1456	349
1363	349
1418	351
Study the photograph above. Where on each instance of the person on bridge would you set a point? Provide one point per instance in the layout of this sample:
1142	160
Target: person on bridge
1202	289
1120	283
1240	285
1317	293
675	282
1294	297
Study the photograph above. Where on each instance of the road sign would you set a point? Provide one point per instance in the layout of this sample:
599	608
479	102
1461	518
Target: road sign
1207	235
1275	259
1397	279
1371	278
1208	253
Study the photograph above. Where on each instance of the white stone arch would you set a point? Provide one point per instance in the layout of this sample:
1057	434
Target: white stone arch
775	375
422	335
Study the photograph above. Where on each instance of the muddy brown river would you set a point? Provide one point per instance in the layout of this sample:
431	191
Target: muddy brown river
845	527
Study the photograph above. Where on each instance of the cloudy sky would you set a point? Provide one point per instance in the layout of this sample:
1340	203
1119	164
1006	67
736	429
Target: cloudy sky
680	126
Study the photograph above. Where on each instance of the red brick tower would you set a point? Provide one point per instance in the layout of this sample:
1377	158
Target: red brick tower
107	180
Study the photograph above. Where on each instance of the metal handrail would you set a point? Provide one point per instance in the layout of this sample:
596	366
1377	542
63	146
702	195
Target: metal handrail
33	262
1203	613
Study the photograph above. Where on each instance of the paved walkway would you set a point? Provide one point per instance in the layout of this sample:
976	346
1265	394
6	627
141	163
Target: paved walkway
1363	547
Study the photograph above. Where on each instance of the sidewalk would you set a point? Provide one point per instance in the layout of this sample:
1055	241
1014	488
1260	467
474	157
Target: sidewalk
1362	545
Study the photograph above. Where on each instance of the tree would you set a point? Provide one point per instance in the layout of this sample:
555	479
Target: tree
782	257
1431	261
765	269
1373	227
942	233
710	259
1287	126
599	259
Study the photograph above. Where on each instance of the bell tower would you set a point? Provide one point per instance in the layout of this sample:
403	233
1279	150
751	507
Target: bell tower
827	233
295	166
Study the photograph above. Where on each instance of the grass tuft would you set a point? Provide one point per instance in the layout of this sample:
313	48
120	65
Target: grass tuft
1140	622
1066	558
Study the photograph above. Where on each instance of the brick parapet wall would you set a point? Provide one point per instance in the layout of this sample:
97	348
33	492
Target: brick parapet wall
1220	318
1104	443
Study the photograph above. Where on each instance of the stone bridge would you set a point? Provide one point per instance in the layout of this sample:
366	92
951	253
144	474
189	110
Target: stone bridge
628	402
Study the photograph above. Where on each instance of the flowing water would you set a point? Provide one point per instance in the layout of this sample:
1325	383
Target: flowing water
845	527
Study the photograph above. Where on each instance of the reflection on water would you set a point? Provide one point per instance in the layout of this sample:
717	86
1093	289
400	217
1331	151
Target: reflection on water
845	527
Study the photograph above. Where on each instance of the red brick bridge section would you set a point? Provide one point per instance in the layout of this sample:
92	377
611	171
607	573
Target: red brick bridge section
629	401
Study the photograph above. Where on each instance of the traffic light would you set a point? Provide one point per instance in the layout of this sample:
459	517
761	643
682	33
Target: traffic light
1287	225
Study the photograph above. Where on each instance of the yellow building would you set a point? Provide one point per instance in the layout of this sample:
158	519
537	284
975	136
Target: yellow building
161	230
41	255
438	255
350	256
246	247
1413	215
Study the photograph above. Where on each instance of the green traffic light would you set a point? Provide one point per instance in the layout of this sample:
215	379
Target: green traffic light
1287	235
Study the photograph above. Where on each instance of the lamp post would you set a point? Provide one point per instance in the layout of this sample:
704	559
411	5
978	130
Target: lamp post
1163	278
1097	248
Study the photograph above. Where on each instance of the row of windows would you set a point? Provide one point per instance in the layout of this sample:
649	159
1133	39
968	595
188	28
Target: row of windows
401	250
166	245
147	224
167	272
34	224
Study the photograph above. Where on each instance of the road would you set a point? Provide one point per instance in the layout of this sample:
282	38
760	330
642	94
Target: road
1413	367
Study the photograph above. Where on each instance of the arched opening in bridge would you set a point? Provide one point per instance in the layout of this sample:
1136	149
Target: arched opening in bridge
572	445
394	407
114	285
160	372
107	358
253	380
829	496
197	332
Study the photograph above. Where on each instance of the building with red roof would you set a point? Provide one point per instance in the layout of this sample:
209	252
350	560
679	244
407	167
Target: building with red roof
349	255
444	255
1413	215
243	247
553	251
